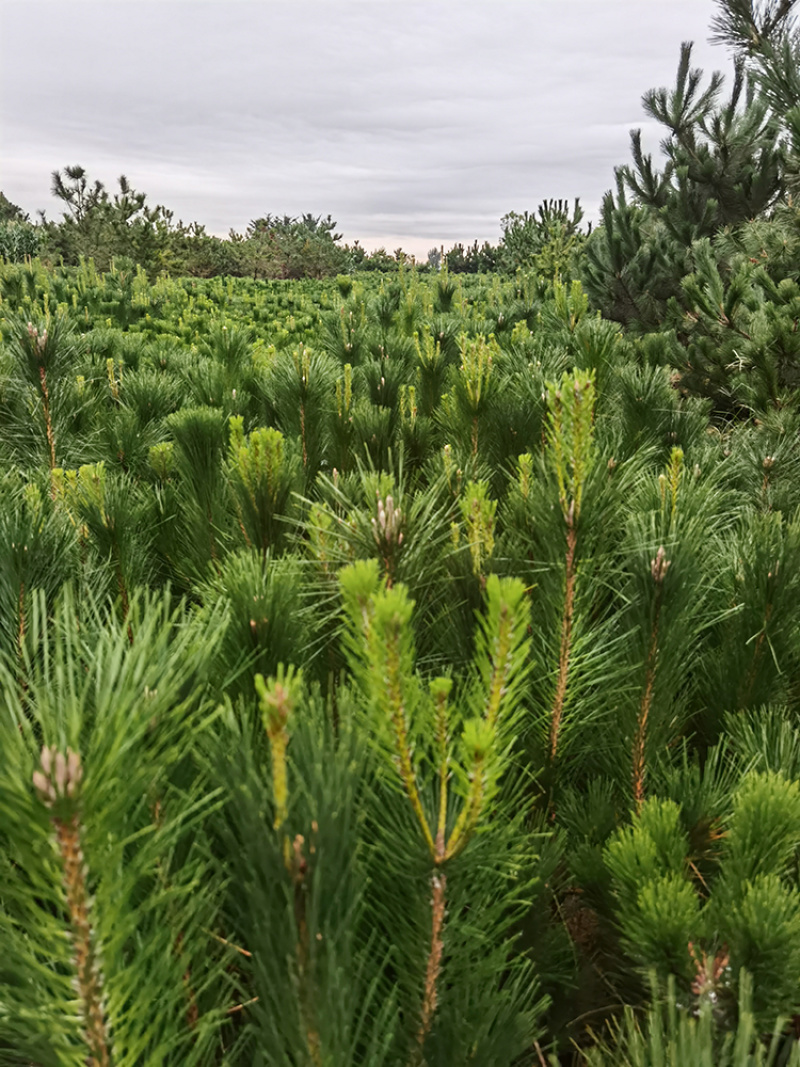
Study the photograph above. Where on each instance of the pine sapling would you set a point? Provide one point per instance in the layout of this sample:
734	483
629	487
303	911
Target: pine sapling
278	698
570	437
658	571
261	475
57	786
388	533
478	511
381	649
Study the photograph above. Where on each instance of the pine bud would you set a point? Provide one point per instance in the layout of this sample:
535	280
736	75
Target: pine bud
60	776
659	566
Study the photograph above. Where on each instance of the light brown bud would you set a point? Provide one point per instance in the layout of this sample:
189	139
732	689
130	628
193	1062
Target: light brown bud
659	566
60	776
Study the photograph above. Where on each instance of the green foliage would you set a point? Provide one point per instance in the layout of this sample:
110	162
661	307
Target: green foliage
262	479
698	247
424	741
19	241
548	241
265	621
107	875
310	983
751	911
304	247
671	1036
403	669
658	906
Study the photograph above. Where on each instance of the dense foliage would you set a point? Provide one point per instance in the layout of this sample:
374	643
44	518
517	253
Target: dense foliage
124	228
403	668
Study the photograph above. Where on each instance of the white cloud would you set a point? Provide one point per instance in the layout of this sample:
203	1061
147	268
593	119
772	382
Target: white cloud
412	123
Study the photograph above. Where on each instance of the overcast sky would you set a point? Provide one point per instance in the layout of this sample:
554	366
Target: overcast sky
412	123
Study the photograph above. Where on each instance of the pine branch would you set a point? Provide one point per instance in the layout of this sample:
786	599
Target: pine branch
58	788
750	25
658	569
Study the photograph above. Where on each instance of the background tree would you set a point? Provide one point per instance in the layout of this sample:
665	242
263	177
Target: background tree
19	239
291	247
11	212
548	240
100	226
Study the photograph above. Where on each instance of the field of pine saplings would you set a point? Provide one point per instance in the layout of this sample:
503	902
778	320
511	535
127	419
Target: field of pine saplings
393	672
402	669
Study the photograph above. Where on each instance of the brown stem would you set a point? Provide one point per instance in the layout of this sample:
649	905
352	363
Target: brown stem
565	650
299	870
434	965
303	435
192	1012
48	422
659	566
229	944
639	761
242	1006
247	540
387	568
89	984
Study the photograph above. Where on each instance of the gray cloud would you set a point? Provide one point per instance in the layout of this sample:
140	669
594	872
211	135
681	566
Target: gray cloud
410	122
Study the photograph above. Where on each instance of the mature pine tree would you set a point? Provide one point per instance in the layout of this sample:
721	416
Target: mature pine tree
726	160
